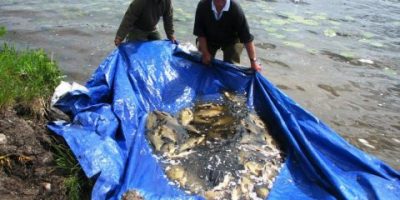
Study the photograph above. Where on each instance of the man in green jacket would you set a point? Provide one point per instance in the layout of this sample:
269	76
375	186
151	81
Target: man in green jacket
141	19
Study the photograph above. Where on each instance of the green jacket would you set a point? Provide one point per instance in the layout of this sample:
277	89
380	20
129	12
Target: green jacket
145	14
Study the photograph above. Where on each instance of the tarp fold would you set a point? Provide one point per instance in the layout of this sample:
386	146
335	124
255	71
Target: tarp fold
107	134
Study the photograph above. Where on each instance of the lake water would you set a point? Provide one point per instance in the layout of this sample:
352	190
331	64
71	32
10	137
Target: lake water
338	59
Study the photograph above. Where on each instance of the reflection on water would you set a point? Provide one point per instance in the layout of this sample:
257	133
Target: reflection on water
338	59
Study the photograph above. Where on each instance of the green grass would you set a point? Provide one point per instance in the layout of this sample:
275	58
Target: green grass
77	185
28	79
2	31
25	76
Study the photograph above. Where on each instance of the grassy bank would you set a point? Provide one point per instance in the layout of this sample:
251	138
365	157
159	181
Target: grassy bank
77	185
26	77
27	81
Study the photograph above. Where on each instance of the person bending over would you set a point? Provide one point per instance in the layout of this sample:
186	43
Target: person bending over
221	24
140	21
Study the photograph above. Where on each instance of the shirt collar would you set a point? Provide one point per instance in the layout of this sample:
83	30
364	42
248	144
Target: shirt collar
224	9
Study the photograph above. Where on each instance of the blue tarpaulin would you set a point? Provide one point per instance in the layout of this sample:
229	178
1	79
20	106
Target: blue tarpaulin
107	133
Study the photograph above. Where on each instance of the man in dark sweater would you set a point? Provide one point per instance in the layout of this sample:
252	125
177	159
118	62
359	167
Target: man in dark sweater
221	24
141	18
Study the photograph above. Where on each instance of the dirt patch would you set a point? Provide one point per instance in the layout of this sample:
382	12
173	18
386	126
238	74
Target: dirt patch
27	165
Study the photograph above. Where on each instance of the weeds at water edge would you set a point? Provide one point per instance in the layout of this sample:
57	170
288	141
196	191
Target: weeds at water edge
27	77
77	185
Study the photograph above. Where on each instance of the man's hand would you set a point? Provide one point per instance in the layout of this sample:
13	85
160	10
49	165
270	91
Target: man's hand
256	66
172	38
202	46
117	41
206	58
251	52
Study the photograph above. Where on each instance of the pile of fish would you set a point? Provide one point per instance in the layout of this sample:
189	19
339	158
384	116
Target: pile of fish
219	150
132	195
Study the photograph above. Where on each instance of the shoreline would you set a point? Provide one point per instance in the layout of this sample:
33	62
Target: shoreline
34	163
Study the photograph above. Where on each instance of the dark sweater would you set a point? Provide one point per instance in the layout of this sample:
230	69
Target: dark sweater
231	27
145	14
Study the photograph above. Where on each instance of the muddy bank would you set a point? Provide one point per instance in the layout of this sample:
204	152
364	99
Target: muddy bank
27	164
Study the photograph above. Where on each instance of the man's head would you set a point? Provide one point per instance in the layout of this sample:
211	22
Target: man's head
219	4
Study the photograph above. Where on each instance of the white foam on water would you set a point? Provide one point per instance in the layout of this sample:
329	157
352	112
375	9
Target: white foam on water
366	61
366	143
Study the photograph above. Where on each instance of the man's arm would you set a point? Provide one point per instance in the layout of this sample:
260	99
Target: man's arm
129	19
251	52
168	18
198	30
203	47
246	37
